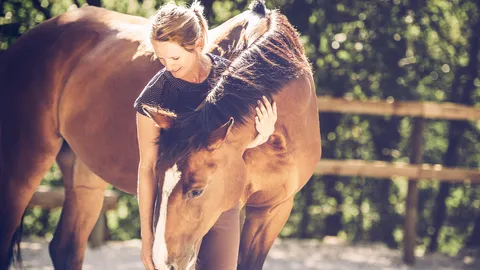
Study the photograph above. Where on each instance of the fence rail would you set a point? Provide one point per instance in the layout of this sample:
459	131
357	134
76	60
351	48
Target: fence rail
429	110
49	198
380	169
415	171
53	197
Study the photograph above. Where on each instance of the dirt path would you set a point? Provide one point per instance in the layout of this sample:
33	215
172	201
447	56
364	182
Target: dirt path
285	255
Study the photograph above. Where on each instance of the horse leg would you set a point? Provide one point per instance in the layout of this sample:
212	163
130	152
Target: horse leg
84	192
262	225
26	154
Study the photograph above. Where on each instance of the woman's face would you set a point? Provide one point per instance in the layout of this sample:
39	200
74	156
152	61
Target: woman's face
175	58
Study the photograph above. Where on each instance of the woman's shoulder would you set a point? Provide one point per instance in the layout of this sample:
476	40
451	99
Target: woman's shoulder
152	92
157	81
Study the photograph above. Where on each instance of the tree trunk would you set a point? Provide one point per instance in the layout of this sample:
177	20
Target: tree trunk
307	194
457	129
439	215
385	135
474	240
45	11
44	221
208	5
333	222
97	3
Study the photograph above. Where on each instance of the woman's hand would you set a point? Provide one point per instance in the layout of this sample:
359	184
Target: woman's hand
266	118
146	253
264	121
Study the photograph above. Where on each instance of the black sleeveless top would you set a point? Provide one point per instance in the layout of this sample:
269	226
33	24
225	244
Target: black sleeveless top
176	95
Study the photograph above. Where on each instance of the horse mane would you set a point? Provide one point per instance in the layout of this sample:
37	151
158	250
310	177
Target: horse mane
262	69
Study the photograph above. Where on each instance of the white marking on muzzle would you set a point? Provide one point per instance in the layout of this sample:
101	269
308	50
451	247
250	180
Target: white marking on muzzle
159	251
191	264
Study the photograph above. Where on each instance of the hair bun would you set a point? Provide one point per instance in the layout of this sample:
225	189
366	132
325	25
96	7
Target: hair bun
197	7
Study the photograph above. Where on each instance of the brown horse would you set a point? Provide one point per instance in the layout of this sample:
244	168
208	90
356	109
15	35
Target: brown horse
67	89
204	161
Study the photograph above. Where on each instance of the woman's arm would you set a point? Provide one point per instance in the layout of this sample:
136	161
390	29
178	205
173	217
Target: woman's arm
264	121
147	133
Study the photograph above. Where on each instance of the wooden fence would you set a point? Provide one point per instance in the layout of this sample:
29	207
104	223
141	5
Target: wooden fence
414	170
50	198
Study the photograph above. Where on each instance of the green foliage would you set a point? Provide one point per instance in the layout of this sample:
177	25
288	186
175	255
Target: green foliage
384	50
124	223
42	222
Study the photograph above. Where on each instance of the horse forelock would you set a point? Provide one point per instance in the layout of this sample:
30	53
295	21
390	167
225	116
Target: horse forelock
268	64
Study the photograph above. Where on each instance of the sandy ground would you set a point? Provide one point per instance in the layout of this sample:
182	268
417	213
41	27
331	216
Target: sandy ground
285	254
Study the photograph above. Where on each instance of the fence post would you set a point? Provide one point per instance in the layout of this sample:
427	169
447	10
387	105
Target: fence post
410	226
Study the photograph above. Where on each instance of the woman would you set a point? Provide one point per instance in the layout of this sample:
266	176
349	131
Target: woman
178	36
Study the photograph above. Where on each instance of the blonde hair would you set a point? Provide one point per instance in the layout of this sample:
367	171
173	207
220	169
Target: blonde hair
185	26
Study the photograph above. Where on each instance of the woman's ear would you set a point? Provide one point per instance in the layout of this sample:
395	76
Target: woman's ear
199	45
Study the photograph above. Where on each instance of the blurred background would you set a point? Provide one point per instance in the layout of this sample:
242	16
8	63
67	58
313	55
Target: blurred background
388	50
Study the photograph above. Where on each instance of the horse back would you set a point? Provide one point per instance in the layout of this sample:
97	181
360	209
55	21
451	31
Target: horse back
35	69
55	71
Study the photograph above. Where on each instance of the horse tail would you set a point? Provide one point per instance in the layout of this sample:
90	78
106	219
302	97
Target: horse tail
14	253
2	114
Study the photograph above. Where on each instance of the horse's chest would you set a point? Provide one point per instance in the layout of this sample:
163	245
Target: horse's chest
271	176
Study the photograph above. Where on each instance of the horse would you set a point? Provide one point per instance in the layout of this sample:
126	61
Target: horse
67	92
205	168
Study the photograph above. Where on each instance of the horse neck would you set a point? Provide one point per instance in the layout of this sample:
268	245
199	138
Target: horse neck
225	38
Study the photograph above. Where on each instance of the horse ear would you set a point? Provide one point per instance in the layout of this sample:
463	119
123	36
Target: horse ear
217	137
163	118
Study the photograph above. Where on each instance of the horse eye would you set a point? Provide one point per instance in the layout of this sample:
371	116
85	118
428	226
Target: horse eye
194	193
211	165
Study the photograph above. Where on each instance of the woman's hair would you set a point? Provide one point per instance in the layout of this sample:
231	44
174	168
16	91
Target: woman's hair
179	24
